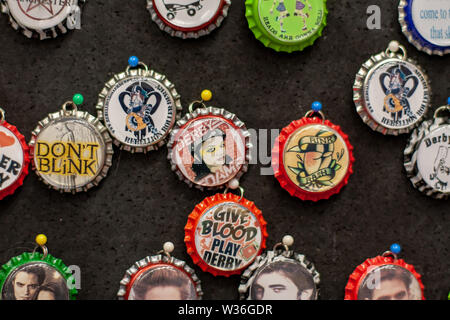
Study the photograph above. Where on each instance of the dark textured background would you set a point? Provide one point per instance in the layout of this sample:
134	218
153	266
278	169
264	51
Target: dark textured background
142	204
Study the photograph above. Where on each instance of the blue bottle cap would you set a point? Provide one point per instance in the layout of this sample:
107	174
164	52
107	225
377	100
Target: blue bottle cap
426	24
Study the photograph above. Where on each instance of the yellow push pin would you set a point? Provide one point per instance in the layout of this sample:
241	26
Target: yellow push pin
41	240
206	95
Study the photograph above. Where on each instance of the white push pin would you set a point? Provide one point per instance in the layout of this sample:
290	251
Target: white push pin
233	184
394	46
288	240
168	247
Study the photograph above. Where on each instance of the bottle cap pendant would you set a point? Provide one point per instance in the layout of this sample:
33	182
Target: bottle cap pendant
391	92
385	278
280	274
139	107
160	277
37	276
427	155
209	146
312	158
14	158
426	24
43	19
188	18
71	150
225	233
286	25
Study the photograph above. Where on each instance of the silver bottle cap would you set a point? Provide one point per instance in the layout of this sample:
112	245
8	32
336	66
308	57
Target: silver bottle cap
391	92
43	19
188	18
71	150
139	107
427	155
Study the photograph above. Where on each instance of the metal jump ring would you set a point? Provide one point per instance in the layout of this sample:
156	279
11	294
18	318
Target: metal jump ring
440	109
72	104
279	244
389	253
165	253
2	115
240	189
191	106
310	112
402	48
44	251
139	64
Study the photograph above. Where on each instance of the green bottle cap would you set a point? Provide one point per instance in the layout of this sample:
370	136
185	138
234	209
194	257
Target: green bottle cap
286	25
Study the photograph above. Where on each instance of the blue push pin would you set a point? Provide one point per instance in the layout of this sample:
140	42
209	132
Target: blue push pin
133	61
448	101
396	248
316	106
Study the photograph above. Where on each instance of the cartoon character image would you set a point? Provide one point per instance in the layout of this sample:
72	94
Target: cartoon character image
140	101
209	153
282	12
173	6
441	168
299	8
316	167
401	86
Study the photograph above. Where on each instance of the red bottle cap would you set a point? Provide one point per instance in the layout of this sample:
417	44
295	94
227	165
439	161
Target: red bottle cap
312	158
225	233
384	278
14	158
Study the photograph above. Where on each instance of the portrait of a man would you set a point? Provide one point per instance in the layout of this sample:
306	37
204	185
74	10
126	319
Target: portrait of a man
283	280
163	283
389	282
35	281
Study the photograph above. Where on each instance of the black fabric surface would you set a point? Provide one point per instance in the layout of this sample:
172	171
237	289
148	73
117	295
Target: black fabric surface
141	204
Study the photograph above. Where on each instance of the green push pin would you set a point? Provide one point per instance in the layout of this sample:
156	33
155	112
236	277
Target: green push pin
78	99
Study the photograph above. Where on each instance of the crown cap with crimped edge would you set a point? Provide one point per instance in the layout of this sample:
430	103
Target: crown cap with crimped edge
422	23
224	234
188	19
43	261
387	260
9	186
286	25
304	176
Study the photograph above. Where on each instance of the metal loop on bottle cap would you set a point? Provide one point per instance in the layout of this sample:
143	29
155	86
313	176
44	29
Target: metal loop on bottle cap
240	189
280	245
393	48
44	251
312	112
442	109
167	254
69	103
2	115
390	253
194	103
141	64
